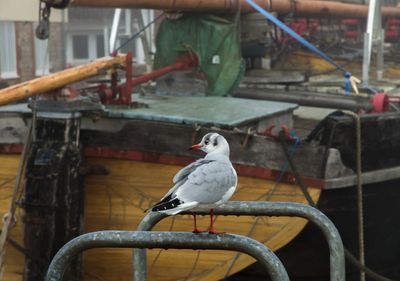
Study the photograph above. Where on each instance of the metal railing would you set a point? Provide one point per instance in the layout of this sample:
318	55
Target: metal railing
244	208
165	240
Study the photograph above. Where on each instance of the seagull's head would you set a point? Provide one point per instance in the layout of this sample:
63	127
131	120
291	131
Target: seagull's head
213	143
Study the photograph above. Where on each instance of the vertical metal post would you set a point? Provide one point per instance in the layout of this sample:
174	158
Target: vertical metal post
139	256
106	35
379	56
114	29
373	37
63	38
144	37
165	240
336	249
366	60
128	22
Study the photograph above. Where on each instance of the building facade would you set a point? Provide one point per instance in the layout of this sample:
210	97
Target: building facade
77	36
22	55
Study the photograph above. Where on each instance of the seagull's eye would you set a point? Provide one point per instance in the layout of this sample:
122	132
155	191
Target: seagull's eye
206	142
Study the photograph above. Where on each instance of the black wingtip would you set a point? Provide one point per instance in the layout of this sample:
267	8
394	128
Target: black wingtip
167	205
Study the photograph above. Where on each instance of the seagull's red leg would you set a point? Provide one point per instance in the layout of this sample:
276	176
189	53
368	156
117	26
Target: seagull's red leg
211	229
195	230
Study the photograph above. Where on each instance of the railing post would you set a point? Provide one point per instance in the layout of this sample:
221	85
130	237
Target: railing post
165	240
248	208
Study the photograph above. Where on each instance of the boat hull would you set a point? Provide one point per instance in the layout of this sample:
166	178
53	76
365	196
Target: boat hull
382	236
119	192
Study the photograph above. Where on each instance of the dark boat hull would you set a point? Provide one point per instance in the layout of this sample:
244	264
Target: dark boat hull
382	236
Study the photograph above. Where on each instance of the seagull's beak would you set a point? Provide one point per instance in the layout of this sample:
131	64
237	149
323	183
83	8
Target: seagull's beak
195	147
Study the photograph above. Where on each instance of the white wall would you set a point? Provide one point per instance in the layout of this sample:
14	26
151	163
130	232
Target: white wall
24	10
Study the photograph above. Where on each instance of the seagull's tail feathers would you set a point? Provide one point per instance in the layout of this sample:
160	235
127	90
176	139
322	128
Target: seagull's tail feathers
174	206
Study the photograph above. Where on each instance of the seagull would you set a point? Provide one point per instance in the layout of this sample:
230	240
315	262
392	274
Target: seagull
209	181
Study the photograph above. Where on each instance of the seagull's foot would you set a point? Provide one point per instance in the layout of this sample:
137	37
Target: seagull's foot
213	231
198	231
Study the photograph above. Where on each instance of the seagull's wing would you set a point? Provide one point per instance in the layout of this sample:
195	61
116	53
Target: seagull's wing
208	183
180	178
184	173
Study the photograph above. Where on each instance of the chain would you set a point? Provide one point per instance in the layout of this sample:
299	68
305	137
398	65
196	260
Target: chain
57	4
43	29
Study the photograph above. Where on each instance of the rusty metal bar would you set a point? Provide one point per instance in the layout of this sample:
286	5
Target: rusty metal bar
243	208
282	7
165	240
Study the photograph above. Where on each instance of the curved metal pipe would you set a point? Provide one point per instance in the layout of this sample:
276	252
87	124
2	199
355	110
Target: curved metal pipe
244	208
165	240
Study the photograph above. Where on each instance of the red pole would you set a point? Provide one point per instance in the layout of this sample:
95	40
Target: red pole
186	61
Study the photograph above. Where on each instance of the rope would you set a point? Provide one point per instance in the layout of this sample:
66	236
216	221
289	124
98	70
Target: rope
134	36
353	260
360	209
349	79
8	222
267	198
289	158
13	206
292	153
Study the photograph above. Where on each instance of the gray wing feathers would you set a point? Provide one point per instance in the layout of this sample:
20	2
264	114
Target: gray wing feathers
182	176
183	173
208	182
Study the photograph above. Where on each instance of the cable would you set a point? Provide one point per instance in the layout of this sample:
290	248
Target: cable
13	206
360	212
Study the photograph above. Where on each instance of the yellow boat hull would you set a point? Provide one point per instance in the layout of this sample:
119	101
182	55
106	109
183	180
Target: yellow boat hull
117	201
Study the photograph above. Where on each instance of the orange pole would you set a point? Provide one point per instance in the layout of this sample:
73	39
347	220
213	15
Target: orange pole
57	80
315	8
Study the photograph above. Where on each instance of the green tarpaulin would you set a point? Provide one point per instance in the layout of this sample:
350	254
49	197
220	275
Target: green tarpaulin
214	39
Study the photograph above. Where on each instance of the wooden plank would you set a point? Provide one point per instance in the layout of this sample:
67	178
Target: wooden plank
367	178
158	137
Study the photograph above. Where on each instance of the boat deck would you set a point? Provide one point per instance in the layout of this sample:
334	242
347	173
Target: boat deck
222	112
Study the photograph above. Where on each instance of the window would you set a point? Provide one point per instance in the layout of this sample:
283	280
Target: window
8	56
100	45
85	47
80	47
